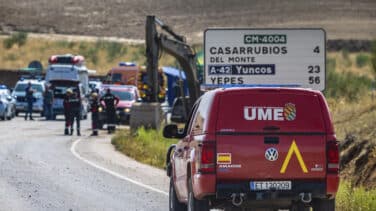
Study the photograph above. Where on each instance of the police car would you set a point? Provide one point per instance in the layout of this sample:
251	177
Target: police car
19	93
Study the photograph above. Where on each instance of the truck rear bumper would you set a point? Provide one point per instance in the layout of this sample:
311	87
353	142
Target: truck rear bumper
332	182
203	185
270	198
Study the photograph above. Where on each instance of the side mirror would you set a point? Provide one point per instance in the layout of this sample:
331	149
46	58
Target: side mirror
172	131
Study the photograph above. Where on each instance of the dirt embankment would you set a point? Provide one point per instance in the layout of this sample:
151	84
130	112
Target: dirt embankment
358	161
342	19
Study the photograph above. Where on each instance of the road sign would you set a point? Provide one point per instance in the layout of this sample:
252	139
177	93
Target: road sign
265	57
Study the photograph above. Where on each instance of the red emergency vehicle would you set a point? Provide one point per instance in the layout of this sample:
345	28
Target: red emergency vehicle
272	148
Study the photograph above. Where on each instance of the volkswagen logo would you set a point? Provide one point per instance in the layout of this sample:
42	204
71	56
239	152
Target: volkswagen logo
271	154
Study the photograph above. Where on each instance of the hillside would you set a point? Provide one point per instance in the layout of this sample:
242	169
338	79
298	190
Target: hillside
345	19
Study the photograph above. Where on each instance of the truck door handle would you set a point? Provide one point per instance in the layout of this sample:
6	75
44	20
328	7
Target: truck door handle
271	140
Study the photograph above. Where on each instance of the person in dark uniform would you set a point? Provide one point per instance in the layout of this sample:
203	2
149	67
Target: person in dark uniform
111	102
67	111
75	112
94	106
29	99
48	101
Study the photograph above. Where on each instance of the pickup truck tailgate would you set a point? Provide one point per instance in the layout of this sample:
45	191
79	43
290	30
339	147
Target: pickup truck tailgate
271	157
270	135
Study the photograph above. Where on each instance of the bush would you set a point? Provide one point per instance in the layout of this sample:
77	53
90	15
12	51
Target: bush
18	38
82	47
361	60
113	49
331	64
92	55
346	57
346	85
350	198
146	146
65	44
11	57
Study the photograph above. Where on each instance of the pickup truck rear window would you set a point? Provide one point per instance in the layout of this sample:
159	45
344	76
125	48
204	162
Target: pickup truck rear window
270	112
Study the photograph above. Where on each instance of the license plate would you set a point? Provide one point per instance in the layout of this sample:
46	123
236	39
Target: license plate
270	185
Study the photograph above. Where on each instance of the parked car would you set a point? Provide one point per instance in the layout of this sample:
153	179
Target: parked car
127	95
9	103
19	94
272	148
95	85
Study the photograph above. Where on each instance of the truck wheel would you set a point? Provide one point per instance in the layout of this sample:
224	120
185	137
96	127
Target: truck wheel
174	203
195	204
324	205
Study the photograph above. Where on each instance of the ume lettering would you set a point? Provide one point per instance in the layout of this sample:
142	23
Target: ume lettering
263	113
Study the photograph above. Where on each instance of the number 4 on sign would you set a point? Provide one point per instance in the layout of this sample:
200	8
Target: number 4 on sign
293	149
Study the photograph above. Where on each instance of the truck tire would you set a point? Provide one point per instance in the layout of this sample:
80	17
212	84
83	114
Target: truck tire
324	205
174	203
195	204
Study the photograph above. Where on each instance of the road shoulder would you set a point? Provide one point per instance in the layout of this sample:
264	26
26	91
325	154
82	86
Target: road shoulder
99	151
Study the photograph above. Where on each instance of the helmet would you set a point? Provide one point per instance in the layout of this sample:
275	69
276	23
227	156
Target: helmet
69	91
94	94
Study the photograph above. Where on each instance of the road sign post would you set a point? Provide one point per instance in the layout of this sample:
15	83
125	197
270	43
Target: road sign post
265	57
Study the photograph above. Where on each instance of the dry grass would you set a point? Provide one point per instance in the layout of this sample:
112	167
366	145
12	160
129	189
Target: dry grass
357	118
346	62
100	55
355	198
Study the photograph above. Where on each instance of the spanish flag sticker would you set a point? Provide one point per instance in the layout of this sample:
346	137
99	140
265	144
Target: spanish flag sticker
223	158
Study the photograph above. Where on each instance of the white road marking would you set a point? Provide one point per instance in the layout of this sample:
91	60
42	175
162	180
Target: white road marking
73	150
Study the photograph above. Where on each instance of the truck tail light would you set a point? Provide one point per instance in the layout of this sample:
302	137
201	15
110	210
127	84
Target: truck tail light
207	157
332	154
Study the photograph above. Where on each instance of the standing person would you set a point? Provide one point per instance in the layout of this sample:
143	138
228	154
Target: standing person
94	106
67	111
48	100
111	102
75	112
29	99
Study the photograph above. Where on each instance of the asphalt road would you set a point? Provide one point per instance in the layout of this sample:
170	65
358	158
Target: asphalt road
41	169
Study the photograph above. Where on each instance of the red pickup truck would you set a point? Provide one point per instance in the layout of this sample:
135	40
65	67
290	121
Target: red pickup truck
269	148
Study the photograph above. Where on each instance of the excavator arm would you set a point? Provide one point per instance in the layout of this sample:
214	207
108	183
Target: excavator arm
176	46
